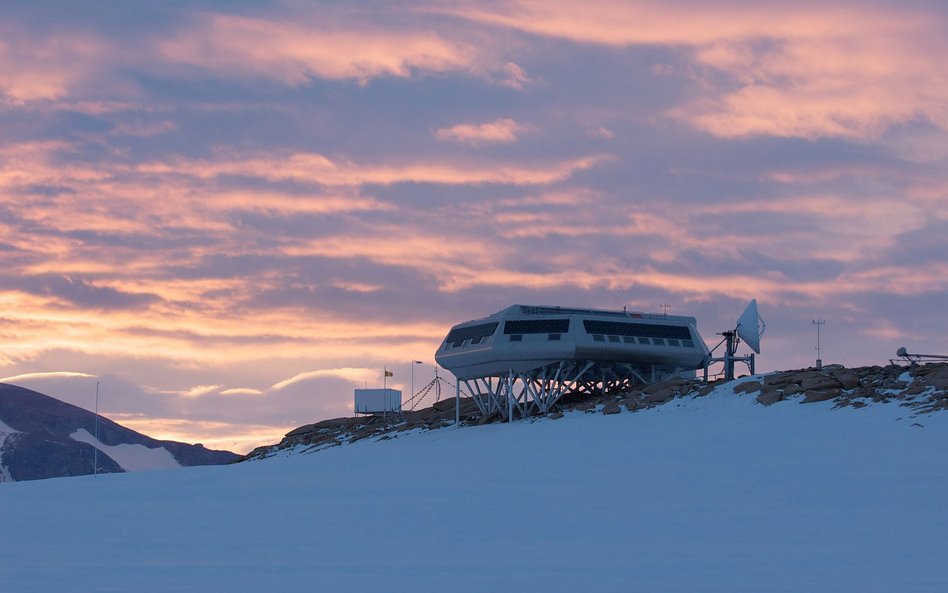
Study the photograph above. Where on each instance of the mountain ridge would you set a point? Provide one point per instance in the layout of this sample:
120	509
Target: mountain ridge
45	440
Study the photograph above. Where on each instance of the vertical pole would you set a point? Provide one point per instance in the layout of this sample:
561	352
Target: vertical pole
510	384
819	358
384	377
457	403
95	448
730	347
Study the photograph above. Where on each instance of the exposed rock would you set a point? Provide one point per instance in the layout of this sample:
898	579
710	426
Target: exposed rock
332	423
820	395
487	419
705	390
611	408
935	375
748	387
778	379
673	382
848	379
818	382
445	405
924	393
662	395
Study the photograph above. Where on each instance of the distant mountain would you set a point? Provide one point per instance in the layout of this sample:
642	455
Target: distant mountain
42	437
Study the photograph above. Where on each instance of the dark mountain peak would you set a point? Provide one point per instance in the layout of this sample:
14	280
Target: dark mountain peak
43	445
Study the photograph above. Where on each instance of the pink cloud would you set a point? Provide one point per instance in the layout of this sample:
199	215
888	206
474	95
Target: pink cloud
293	51
847	70
45	67
499	131
318	168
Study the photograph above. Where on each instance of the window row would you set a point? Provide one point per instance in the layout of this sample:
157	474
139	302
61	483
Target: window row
674	342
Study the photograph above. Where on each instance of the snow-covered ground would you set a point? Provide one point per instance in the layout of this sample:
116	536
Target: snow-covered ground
711	494
130	457
5	433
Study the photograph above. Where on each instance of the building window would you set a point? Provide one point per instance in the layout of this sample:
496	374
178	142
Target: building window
553	337
628	339
658	341
599	338
613	338
688	344
643	341
673	343
516	338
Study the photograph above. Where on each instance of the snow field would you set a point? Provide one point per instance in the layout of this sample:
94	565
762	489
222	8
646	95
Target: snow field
131	457
712	494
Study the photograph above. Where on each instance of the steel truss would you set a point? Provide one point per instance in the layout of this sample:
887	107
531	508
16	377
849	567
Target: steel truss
521	394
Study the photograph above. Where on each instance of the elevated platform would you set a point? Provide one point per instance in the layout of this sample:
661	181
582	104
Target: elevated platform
523	359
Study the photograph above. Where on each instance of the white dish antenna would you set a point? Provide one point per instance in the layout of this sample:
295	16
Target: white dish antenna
750	327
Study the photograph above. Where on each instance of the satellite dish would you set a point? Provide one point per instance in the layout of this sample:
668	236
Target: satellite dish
750	327
902	352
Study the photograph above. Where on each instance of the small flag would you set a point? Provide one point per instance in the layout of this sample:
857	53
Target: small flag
389	374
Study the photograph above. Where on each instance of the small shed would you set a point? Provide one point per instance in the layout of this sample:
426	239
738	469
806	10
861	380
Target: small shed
378	401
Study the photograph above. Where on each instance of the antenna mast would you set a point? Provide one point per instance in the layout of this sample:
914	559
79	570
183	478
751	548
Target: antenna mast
819	359
95	448
750	328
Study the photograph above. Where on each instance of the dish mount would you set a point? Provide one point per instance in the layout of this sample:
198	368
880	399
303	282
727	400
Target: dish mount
750	328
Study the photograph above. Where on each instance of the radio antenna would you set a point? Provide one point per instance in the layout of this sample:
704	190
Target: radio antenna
819	359
95	447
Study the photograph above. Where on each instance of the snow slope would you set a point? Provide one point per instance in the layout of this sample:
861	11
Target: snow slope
5	433
715	493
131	457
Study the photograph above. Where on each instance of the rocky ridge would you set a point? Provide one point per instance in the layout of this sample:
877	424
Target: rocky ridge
922	388
37	442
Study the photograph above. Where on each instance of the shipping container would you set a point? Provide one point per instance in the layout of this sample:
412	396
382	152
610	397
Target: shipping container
377	401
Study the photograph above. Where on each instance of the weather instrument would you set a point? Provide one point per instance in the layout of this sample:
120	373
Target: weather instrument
750	328
919	358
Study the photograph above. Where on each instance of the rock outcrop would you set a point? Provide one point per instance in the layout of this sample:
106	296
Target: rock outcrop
924	388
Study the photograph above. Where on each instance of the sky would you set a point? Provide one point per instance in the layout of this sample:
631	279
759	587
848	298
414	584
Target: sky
232	214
